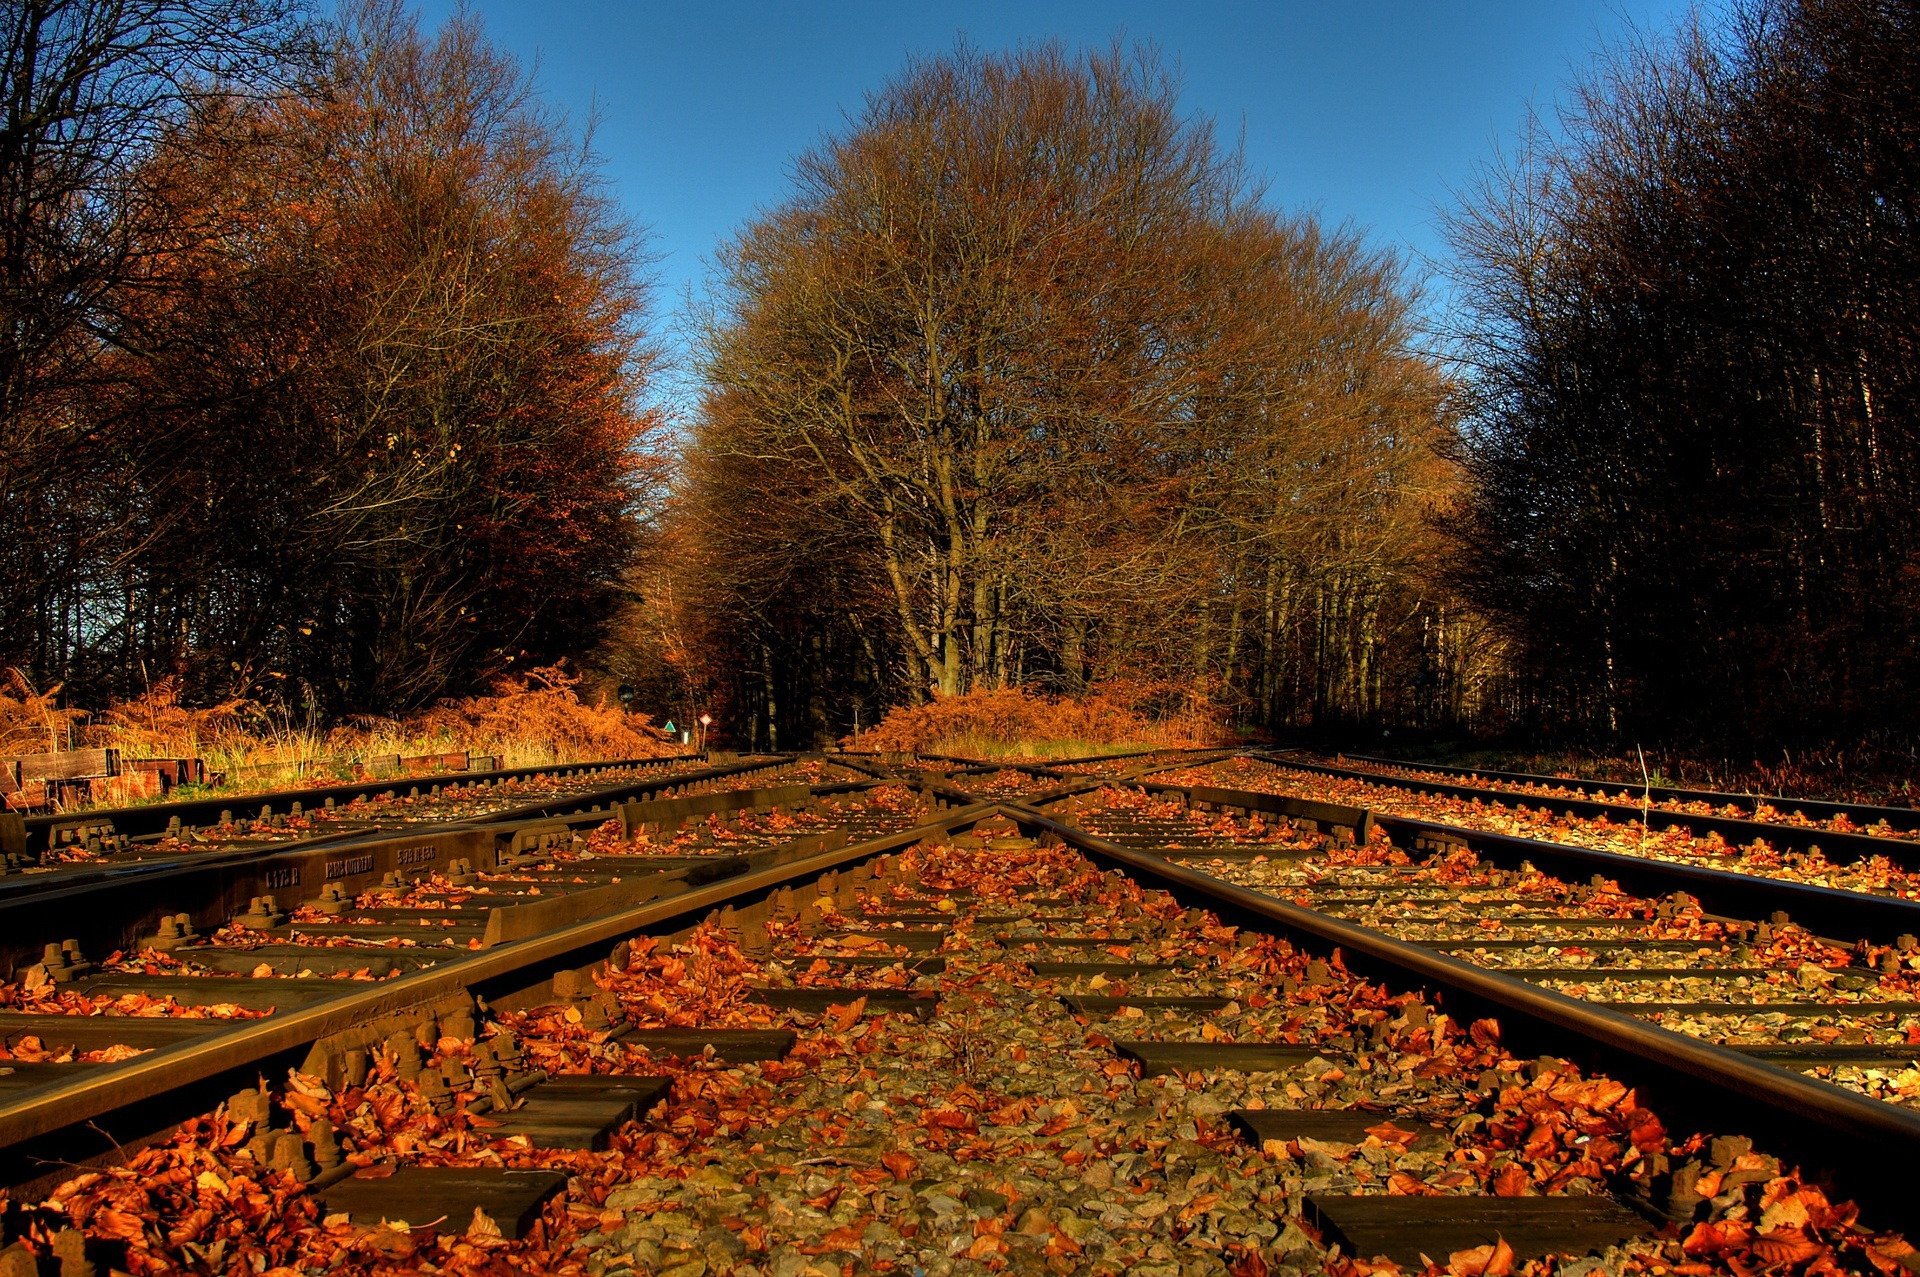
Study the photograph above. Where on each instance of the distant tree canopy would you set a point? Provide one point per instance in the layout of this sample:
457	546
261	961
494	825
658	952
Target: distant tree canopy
365	426
1025	385
1691	326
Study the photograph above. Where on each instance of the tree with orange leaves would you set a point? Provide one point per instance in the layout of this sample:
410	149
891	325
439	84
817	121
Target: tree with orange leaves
1025	384
391	409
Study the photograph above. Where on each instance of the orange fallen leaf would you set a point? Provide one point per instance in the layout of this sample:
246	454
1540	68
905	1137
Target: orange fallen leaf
1388	1133
845	1017
1511	1180
1482	1261
846	1237
1785	1246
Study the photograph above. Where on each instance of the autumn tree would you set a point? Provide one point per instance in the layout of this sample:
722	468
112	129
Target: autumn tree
1024	383
1689	318
390	426
87	88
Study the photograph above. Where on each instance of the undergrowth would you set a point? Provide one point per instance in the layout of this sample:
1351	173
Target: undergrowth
537	719
1008	722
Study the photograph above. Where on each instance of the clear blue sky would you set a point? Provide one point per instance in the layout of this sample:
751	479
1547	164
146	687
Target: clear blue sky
1364	111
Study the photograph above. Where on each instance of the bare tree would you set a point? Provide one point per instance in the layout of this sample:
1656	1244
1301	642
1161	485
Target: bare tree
1689	332
1023	384
86	89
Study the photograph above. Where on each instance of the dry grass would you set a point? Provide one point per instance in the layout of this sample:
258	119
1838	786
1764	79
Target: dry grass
1011	722
30	721
533	721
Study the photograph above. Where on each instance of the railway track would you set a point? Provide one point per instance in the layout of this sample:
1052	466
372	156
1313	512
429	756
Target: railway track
226	821
35	838
69	850
878	1024
1762	807
1771	990
1860	863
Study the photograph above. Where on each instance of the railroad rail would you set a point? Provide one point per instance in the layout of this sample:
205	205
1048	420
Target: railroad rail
1860	881
116	843
36	835
1845	917
1835	844
893	1020
1904	819
1616	950
141	818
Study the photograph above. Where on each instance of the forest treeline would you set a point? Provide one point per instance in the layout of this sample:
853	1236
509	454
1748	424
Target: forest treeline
1693	450
326	377
321	364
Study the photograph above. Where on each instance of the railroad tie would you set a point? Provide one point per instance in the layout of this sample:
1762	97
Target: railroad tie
447	1199
1121	969
1410	1230
1156	1058
912	965
1093	1006
98	1032
206	990
1263	1127
577	1111
912	941
817	1001
735	1046
17	1076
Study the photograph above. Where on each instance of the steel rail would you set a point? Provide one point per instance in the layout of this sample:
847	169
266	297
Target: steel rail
1736	830
1904	818
151	818
86	874
1841	915
1869	1147
119	913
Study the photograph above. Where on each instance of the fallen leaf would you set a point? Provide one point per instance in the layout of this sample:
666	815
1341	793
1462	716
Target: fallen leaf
845	1017
1511	1180
1482	1261
1785	1246
1388	1133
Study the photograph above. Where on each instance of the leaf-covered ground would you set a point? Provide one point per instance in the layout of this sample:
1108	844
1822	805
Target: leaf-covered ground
1002	1134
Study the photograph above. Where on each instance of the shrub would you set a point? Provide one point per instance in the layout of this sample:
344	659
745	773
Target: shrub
535	719
1015	720
29	720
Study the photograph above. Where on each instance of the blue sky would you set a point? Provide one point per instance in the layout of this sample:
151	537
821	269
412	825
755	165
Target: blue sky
1366	111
